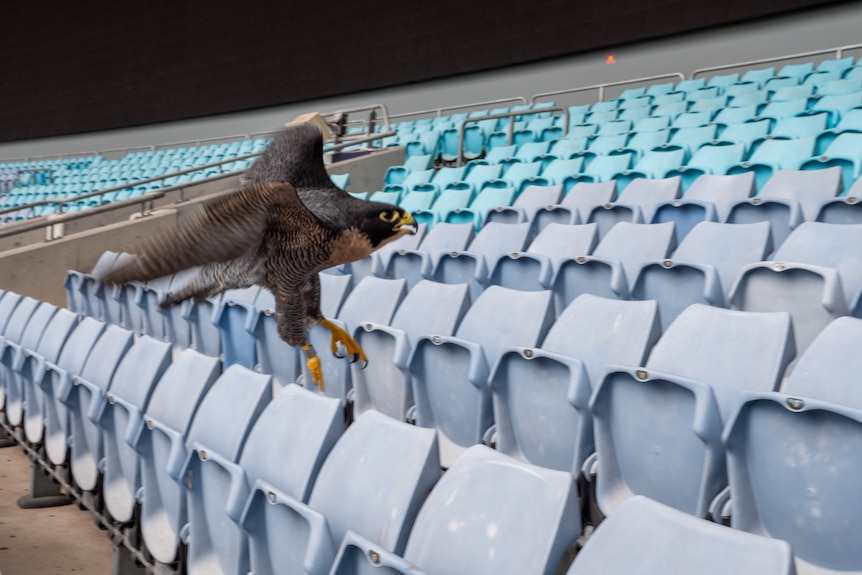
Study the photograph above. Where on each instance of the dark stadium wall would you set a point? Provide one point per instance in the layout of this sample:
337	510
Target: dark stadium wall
117	76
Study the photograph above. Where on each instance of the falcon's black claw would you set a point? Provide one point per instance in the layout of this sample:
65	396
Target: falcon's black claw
364	363
355	358
338	355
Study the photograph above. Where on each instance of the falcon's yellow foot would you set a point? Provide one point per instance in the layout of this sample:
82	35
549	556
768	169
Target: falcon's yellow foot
341	336
313	364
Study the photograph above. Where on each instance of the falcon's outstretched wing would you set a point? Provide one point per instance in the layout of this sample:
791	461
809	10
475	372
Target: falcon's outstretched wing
223	230
295	155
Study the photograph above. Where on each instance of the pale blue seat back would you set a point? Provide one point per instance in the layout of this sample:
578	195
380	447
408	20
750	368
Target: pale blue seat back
450	374
584	196
703	268
471	266
533	270
636	203
217	436
540	395
372	483
463	527
284	450
120	415
85	396
11	390
810	275
69	363
385	383
659	540
691	383
613	266
415	265
161	445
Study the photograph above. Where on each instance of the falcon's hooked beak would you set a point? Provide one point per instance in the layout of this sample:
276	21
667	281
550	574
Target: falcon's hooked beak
406	225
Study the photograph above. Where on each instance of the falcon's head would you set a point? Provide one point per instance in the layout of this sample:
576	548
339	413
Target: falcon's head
383	223
372	225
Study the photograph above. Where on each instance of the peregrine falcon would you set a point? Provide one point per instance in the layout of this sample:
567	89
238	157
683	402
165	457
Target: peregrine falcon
286	224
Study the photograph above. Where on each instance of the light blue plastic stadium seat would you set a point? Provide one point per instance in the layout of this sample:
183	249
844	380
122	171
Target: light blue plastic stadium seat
703	268
477	177
448	201
540	395
58	381
372	300
787	199
519	176
752	100
534	269
385	385
710	105
604	168
636	203
810	275
720	192
387	197
799	127
691	382
443	177
777	110
416	264
27	357
692	119
218	434
299	427
161	444
119	414
562	171
472	266
835	65
750	134
651	124
177	318
488	199
234	316
653	164
415	178
85	396
850	122
634	114
394	462
153	318
614	128
709	159
840	87
11	391
770	439
582	197
835	106
471	523
605	144
786	93
660	540
642	142
843	209
527	204
612	268
773	155
450	374
79	286
670	109
656	90
844	152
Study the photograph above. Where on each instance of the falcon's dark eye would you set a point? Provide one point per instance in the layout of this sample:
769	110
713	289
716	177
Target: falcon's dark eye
388	216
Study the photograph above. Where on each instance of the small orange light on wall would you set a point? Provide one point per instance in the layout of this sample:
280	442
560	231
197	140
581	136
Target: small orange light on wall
611	59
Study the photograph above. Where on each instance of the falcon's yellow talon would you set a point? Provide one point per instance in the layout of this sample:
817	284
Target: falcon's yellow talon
341	336
316	372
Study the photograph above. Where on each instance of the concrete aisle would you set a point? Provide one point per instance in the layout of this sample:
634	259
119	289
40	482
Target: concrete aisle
53	541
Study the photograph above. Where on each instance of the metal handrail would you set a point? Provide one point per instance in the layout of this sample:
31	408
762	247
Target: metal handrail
36	224
61	201
511	115
601	87
438	111
839	51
